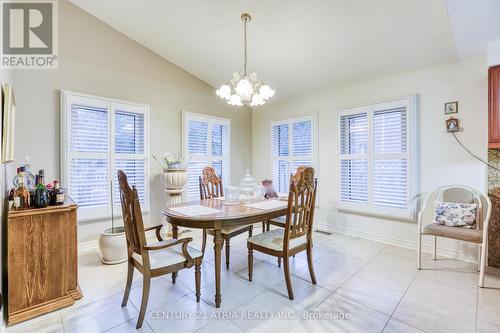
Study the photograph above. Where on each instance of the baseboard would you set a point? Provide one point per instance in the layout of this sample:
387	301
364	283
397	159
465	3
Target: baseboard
412	245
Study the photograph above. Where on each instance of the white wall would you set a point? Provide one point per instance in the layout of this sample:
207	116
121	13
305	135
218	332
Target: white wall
96	59
442	160
494	54
6	76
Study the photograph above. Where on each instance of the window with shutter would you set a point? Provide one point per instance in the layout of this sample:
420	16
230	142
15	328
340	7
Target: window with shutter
206	142
377	158
293	145
102	136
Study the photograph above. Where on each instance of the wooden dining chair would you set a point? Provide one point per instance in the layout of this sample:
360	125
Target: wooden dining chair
211	187
296	236
280	221
152	260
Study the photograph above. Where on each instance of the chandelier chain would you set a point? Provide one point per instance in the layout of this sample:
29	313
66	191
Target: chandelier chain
245	46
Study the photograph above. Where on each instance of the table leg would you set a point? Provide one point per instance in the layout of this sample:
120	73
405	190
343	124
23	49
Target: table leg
217	255
175	231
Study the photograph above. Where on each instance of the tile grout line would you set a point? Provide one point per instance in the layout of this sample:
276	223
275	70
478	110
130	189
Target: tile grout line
396	307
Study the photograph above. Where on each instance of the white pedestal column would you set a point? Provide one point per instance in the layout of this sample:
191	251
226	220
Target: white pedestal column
174	180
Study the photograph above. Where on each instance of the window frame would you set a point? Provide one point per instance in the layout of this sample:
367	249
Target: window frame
411	155
210	120
291	157
110	104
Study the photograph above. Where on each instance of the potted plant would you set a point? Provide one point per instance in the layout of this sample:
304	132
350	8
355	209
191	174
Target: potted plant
112	241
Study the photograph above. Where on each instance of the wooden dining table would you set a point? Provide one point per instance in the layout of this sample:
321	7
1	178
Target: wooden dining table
227	215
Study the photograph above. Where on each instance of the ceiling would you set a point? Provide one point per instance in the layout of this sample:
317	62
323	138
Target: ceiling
295	46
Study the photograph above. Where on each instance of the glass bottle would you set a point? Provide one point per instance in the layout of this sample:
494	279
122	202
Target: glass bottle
56	196
41	197
21	194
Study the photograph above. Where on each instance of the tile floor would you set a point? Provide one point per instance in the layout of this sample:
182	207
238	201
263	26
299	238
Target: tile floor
375	287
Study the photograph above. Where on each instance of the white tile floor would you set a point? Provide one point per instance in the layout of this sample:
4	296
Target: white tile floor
376	287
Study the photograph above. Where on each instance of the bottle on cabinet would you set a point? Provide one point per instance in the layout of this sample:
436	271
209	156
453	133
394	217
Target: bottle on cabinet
41	197
56	196
21	194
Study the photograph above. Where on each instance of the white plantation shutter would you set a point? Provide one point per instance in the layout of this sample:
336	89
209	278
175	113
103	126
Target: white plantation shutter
102	136
293	145
390	170
206	142
354	157
377	155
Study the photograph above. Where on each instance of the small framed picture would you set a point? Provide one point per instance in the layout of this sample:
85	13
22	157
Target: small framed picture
450	107
452	125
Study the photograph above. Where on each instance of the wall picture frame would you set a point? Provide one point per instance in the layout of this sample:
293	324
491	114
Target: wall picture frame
8	123
452	125
451	107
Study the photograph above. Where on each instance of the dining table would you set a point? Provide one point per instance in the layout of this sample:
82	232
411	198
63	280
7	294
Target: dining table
216	214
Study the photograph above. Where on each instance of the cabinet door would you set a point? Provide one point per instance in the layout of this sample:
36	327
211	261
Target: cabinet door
494	107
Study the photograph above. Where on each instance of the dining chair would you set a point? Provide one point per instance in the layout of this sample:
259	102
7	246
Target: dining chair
477	235
296	236
156	259
280	221
211	187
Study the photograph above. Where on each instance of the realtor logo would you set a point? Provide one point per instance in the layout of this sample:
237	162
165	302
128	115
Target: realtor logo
29	34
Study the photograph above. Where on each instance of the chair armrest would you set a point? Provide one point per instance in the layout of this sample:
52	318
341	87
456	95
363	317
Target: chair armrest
157	228
172	242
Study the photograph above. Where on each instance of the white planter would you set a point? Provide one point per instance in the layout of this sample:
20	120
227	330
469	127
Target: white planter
113	246
174	179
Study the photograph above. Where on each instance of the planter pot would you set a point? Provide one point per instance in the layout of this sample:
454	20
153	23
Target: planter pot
174	179
113	245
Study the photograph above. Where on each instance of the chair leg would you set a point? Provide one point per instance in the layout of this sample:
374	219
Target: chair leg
286	267
146	283
279	262
197	278
310	264
434	252
479	258
419	252
268	225
204	241
130	275
263	226
484	247
174	276
227	253
250	263
250	231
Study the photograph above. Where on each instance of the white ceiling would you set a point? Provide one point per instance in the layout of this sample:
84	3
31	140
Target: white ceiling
475	24
295	46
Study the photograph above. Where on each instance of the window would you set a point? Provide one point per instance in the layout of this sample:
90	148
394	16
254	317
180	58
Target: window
293	145
377	158
101	136
206	142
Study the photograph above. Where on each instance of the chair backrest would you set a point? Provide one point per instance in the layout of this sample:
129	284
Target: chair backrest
301	205
210	184
459	194
132	215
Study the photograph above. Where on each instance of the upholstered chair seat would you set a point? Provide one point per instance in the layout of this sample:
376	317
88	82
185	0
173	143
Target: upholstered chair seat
168	256
274	240
468	235
229	229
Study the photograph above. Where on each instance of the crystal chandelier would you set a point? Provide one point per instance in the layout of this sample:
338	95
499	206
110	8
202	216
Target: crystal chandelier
245	88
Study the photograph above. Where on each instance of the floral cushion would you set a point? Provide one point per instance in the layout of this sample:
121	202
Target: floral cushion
454	214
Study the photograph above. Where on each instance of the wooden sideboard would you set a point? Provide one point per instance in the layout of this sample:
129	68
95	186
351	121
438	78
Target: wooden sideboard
41	261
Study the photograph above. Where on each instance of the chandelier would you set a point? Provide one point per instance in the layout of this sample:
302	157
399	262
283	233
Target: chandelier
245	88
